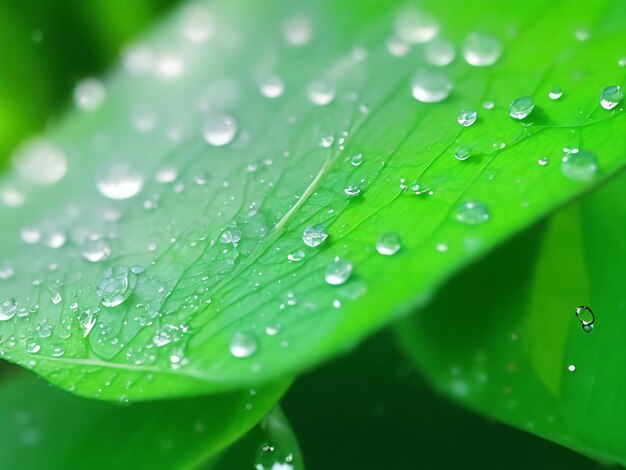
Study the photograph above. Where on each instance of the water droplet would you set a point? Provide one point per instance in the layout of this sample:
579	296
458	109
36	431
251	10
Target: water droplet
120	181
197	24
166	175
571	367
611	96
467	117
488	105
415	26
314	235
326	141
296	256
555	93
298	30
8	308
388	244
230	236
89	94
356	160
243	345
219	130
481	50
397	47
270	458
12	197
272	87
32	346
352	190
40	162
338	272
442	247
521	107
30	235
56	298
622	62
167	334
321	92
579	165
96	249
586	318
115	286
462	153
430	87
440	52
472	213
543	161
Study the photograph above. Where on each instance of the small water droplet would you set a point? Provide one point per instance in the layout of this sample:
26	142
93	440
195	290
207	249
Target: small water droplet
89	94
326	141
296	256
115	286
388	244
397	47
571	367
356	160
30	236
488	105
298	30
415	26
543	161
8	308
472	213
197	24
586	318
462	153
352	190
120	181
56	298
521	107
481	50
338	272
231	236
622	62
219	130
321	92
272	87
467	117
611	97
314	235
555	93
40	162
430	87
243	345
579	165
440	52
96	249
166	175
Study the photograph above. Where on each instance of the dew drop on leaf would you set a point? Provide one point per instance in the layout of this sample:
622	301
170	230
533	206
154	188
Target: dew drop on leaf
440	52
321	92
272	87
115	286
120	181
430	86
481	50
472	213
555	93
586	318
521	107
467	117
579	164
243	345
416	26
543	161
611	97
462	153
40	162
8	308
338	272
96	249
89	94
388	244
219	130
352	190
357	159
314	235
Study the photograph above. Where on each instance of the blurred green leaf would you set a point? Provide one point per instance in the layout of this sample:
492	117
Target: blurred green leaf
213	302
44	427
502	337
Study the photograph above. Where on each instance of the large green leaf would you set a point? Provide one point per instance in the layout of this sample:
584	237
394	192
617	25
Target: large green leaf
503	337
216	303
43	427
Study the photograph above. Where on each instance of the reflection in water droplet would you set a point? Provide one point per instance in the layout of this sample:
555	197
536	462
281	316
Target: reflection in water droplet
586	318
120	181
481	50
388	244
338	272
219	130
472	213
555	93
314	235
30	236
89	94
397	47
579	165
611	96
40	162
197	24
467	117
231	236
430	87
488	105
272	87
521	107
115	286
8	308
462	153
440	52
321	92
415	26
243	345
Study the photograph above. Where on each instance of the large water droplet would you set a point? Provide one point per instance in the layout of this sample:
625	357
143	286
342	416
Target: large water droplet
430	87
321	92
40	162
481	50
89	94
8	308
462	153
472	213
579	165
586	318
338	272
467	117
96	249
243	345
388	244
272	87
521	107
555	93
356	160
314	235
115	286
415	26
352	190
611	96
120	181
219	130
296	256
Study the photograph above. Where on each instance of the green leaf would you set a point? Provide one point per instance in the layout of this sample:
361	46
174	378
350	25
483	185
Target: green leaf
44	427
503	337
218	305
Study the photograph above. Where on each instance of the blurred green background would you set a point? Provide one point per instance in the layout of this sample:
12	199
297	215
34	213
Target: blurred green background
367	410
